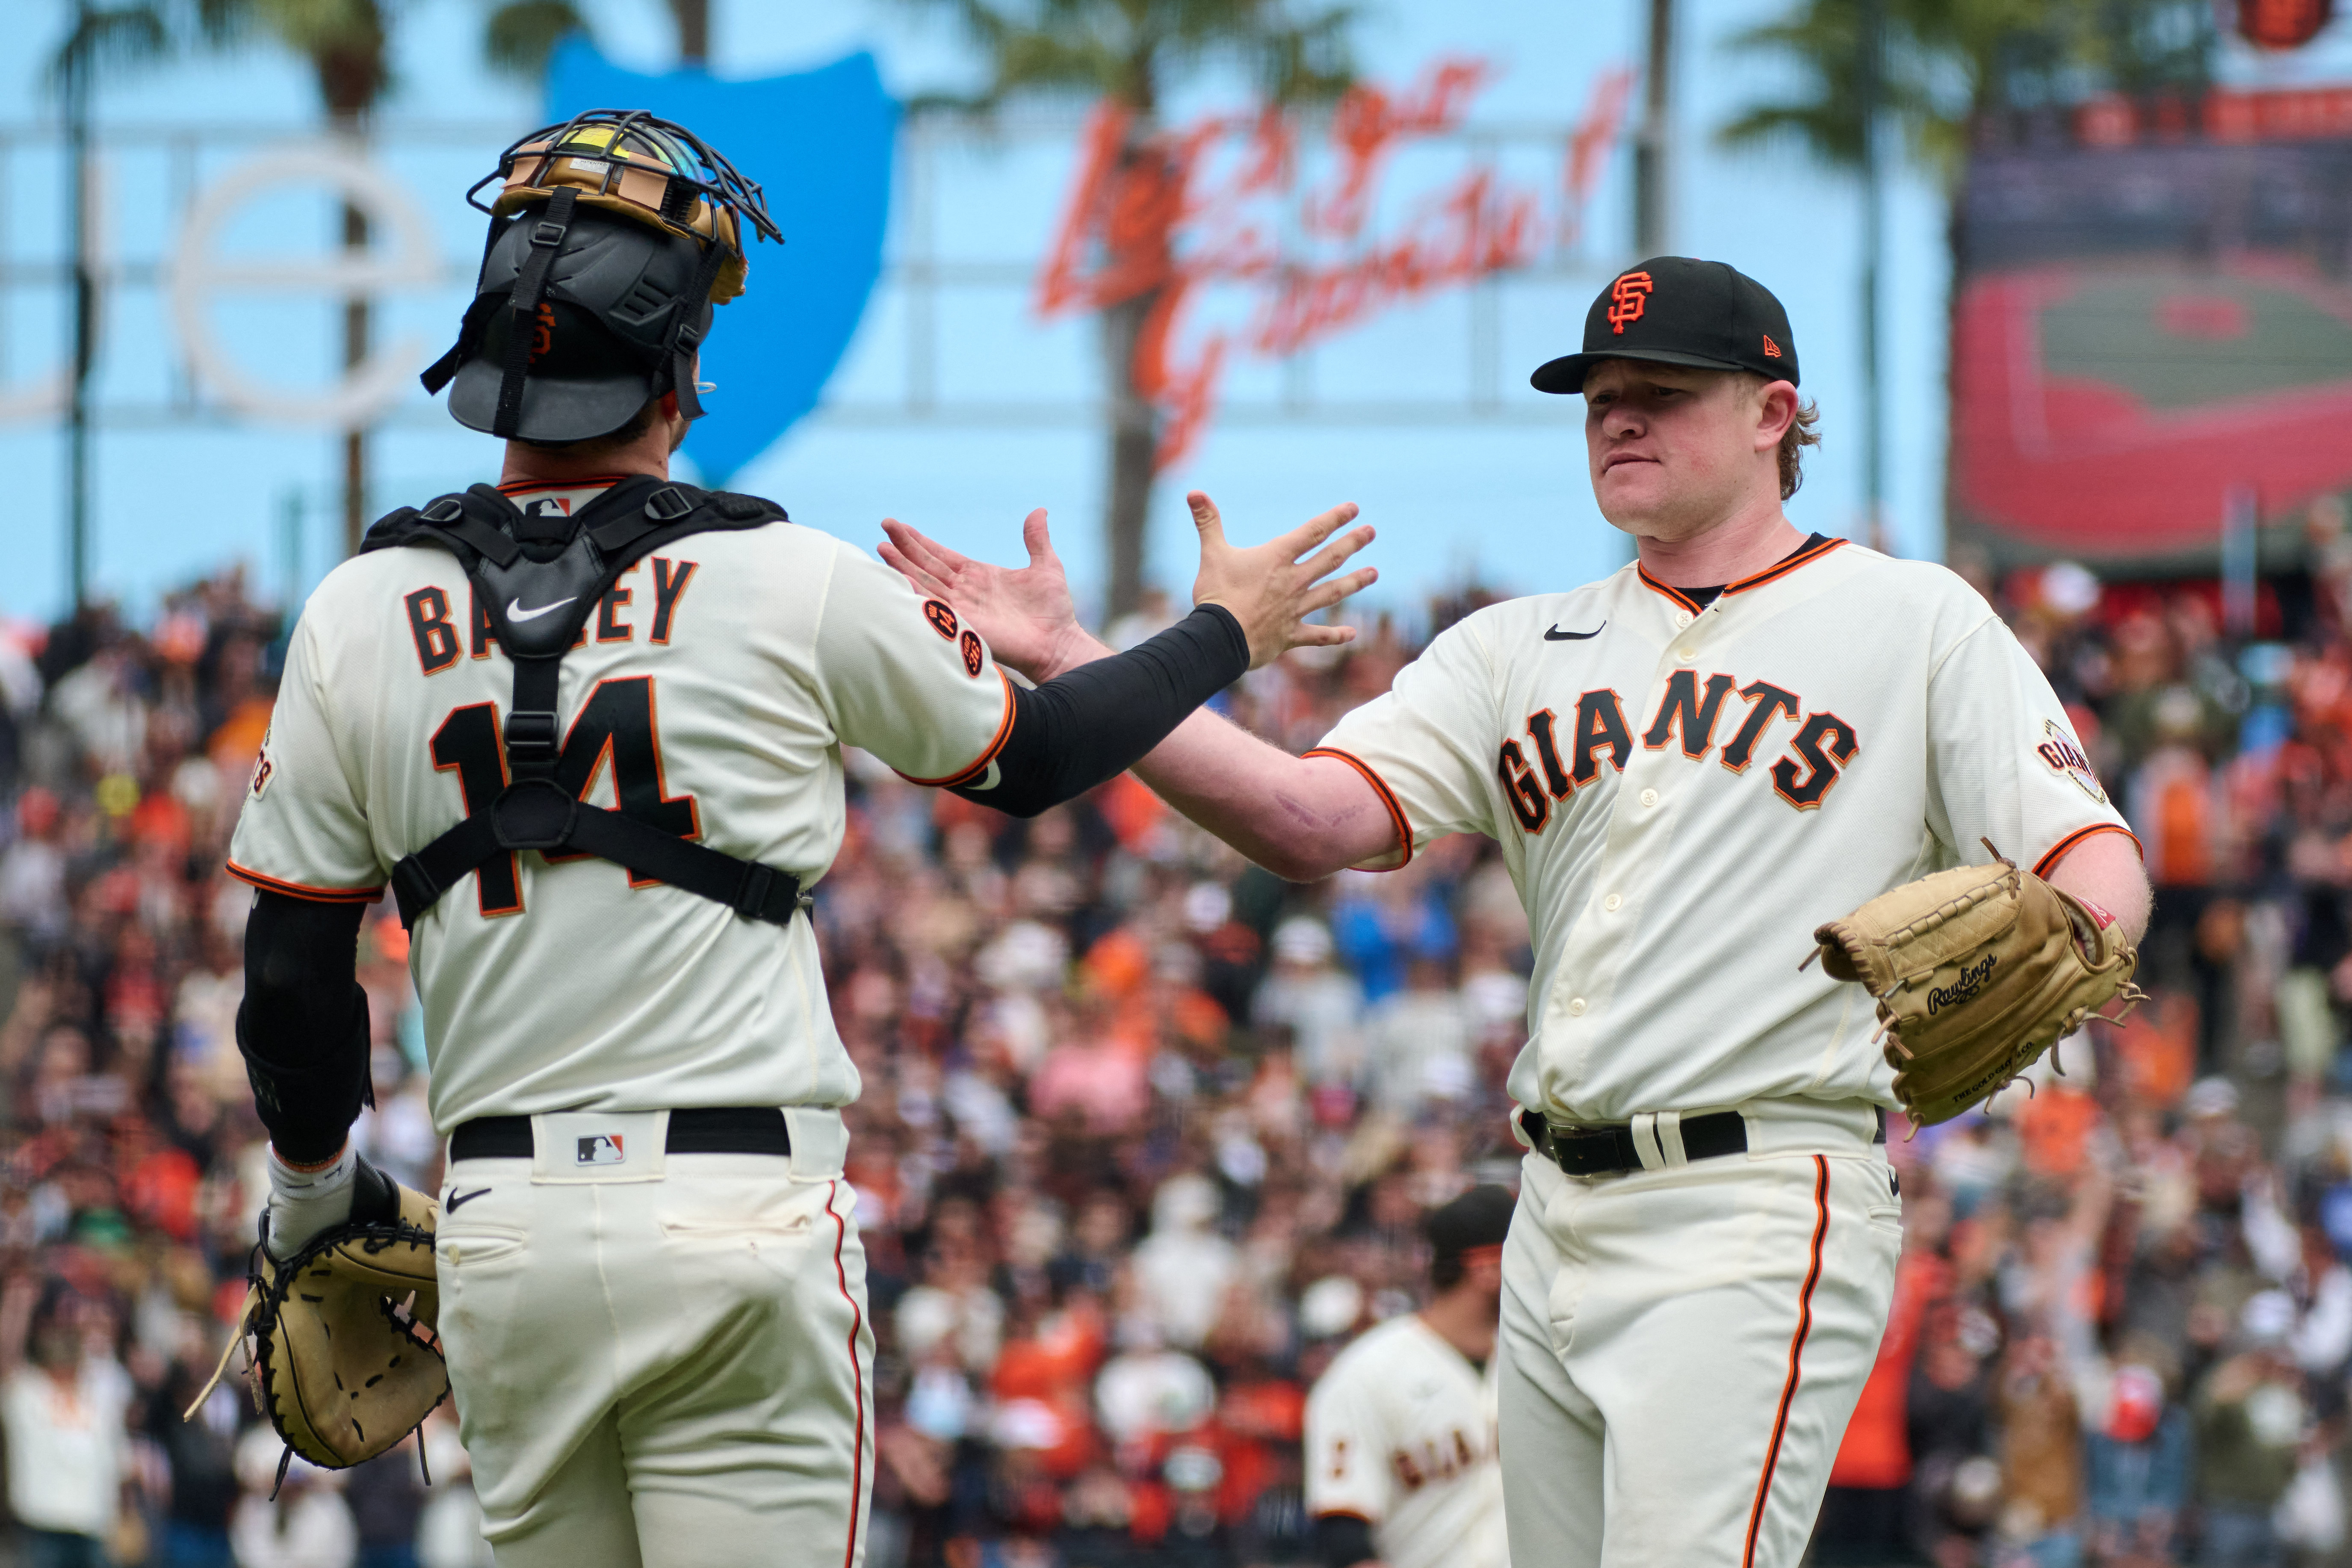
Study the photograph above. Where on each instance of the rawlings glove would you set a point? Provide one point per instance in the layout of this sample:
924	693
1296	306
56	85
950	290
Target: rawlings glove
1977	971
346	1362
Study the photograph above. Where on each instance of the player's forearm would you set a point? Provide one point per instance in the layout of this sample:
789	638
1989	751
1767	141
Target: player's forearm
1092	722
1300	817
2105	870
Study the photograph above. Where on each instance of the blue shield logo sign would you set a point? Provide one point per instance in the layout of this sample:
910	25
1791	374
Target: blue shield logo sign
819	143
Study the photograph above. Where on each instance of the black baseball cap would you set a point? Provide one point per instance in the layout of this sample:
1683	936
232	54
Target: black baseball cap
1479	1217
1675	310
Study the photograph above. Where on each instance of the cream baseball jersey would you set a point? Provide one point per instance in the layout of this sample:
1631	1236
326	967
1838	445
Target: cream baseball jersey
1400	1433
1684	792
710	694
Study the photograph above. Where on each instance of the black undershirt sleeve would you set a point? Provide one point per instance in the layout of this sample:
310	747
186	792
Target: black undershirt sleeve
303	1025
1342	1540
1095	722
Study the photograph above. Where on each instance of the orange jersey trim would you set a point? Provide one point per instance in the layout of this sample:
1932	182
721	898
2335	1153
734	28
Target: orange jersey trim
2058	851
980	765
1796	1358
1770	574
594	481
1380	788
1676	595
1773	573
303	889
857	1371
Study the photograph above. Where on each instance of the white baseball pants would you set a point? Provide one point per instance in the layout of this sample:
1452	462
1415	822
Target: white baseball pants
661	1361
1682	1346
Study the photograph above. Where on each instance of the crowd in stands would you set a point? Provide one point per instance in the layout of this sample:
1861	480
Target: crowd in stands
1148	1135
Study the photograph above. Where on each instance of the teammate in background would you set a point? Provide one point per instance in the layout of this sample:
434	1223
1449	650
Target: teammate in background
1690	765
1401	1464
652	1290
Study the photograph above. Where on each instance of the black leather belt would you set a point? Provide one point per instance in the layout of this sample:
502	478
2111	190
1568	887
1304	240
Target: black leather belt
1608	1150
706	1129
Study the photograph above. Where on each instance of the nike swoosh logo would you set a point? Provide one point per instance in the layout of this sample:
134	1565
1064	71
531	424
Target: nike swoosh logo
459	1200
1553	635
515	612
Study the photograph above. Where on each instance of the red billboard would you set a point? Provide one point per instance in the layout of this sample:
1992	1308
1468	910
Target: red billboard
2143	330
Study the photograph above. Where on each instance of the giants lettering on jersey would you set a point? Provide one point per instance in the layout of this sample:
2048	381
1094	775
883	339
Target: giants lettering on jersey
1554	766
1440	1459
436	633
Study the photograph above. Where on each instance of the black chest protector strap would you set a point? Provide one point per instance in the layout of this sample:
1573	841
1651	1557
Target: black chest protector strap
538	579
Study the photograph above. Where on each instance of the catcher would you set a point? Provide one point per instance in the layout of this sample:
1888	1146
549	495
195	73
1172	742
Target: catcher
587	725
1745	737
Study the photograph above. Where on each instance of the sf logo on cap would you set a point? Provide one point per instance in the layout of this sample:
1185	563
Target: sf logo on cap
1627	296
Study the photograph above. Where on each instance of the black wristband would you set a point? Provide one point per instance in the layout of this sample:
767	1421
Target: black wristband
1095	722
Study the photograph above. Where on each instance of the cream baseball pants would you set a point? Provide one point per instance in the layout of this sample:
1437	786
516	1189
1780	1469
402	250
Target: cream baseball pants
660	1360
1681	1346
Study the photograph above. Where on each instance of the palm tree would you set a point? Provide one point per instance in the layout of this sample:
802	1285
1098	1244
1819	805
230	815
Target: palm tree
1132	53
1947	64
347	43
520	34
1933	71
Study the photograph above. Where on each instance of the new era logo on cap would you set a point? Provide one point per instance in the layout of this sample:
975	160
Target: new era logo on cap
1677	309
601	1149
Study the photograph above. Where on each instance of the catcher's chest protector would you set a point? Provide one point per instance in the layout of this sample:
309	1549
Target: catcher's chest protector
537	579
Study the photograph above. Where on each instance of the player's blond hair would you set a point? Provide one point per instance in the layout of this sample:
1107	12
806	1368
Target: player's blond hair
1803	431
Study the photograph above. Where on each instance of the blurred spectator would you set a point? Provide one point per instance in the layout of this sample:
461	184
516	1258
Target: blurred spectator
63	1405
2250	1429
2137	1466
201	1455
292	1513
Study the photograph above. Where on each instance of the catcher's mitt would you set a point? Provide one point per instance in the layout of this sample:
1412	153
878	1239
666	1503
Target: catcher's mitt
346	1361
1977	971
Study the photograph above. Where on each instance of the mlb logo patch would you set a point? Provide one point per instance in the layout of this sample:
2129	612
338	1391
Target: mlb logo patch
601	1149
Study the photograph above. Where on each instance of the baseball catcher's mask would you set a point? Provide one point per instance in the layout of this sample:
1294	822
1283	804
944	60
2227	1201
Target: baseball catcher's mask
612	235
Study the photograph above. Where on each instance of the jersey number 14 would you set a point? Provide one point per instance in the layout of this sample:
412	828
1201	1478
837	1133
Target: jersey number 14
615	729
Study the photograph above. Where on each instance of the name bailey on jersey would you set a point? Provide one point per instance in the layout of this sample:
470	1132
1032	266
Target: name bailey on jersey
1689	713
436	633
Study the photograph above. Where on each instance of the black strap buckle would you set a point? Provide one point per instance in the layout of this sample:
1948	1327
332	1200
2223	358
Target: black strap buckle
446	508
547	232
414	891
752	894
667	504
531	744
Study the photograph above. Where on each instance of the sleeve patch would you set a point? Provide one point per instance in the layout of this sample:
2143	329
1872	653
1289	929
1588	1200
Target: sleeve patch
2061	753
942	618
974	657
264	770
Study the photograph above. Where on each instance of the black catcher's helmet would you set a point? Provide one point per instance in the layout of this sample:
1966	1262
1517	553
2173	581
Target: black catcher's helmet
612	236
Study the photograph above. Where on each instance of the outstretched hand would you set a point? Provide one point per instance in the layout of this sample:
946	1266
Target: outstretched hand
1269	590
1026	615
1031	624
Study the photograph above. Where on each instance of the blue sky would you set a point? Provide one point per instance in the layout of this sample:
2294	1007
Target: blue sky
1506	502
